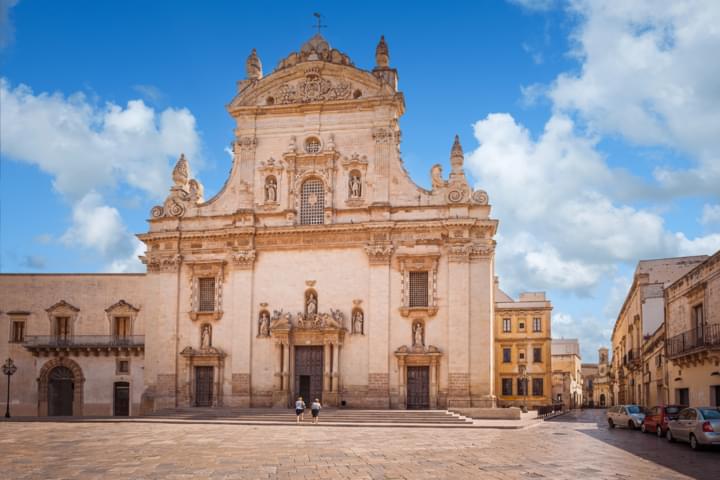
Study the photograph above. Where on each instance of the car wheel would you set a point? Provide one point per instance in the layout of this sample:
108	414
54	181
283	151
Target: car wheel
694	443
659	432
669	436
643	428
611	424
631	425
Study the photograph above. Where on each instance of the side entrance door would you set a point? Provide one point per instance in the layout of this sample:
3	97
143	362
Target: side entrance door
61	387
121	399
203	386
418	388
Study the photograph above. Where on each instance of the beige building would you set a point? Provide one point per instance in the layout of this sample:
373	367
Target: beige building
567	380
320	269
692	330
641	315
596	381
654	369
522	349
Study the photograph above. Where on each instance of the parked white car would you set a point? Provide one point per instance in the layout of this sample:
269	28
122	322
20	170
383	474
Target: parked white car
698	426
630	416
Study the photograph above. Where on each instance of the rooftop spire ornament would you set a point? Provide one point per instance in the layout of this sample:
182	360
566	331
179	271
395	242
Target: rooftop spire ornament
319	22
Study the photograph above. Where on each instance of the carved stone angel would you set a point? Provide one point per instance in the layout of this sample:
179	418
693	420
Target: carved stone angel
436	176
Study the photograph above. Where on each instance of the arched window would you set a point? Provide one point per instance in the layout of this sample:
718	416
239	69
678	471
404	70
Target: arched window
312	202
312	145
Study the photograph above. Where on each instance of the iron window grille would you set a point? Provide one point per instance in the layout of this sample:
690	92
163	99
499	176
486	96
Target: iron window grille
312	145
206	300
418	289
312	202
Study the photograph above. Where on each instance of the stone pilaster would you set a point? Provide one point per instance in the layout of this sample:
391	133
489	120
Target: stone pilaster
378	324
458	326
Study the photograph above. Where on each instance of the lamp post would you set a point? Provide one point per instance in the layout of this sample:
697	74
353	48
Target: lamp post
8	369
524	378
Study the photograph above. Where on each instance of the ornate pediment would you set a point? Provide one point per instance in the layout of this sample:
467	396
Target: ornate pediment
62	306
122	306
282	320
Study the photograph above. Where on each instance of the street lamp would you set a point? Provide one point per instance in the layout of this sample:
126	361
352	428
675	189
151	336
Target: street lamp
523	375
8	369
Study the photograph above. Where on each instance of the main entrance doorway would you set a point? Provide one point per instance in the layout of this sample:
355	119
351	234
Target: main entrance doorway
203	386
418	387
60	392
121	399
309	373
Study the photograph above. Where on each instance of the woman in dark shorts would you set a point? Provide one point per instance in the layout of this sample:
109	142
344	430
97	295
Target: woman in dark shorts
315	409
299	410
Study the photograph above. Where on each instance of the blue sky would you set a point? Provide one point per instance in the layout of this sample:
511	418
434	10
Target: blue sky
595	128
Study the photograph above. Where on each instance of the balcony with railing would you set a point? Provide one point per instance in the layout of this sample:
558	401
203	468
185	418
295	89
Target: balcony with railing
693	341
85	344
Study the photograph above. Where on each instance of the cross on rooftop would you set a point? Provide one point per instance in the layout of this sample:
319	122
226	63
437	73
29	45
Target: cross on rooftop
319	22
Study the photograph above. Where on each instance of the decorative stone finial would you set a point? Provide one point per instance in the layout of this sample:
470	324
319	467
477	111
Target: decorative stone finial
180	173
456	154
253	66
382	55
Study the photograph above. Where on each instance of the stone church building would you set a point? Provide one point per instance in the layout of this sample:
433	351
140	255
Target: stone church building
320	269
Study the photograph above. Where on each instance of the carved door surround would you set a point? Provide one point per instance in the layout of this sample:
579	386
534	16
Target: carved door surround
287	337
206	269
209	357
419	357
424	261
78	387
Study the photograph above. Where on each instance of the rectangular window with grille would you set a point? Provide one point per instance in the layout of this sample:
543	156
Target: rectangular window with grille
123	366
206	294
507	325
507	386
18	331
537	386
418	289
312	202
537	324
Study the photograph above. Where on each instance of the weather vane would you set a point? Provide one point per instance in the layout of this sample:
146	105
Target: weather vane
319	22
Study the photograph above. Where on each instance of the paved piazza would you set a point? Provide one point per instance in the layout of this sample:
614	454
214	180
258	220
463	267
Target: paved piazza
575	446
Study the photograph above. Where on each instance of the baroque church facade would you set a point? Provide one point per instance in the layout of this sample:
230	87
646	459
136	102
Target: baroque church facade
320	269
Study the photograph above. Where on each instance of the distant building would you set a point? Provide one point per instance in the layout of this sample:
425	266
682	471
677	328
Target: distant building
596	381
692	331
641	315
567	383
522	343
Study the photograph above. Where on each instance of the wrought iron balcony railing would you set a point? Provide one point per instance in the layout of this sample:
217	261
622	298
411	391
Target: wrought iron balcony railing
697	339
87	343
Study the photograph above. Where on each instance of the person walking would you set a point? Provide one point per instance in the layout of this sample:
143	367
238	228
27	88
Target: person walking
315	409
299	410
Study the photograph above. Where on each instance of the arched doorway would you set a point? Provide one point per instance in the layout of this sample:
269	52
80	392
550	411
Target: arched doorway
60	392
54	383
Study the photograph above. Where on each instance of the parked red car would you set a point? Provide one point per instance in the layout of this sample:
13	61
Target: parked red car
656	419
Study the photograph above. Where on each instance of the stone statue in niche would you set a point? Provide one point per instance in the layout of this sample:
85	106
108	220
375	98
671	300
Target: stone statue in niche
355	186
311	305
270	189
264	324
206	337
357	320
418	335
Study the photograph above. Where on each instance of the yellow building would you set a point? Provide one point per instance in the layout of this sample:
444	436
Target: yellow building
522	346
692	330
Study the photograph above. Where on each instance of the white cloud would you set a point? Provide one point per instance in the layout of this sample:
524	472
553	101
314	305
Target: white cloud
131	263
648	73
88	147
561	225
150	93
710	215
592	332
534	5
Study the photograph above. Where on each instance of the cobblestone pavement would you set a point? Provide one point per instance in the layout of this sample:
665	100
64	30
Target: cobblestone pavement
569	447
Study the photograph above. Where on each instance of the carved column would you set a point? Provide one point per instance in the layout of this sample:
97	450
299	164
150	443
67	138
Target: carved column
286	367
433	382
335	367
403	387
326	367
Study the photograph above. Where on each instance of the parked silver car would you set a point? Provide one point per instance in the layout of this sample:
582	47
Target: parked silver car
630	416
697	425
